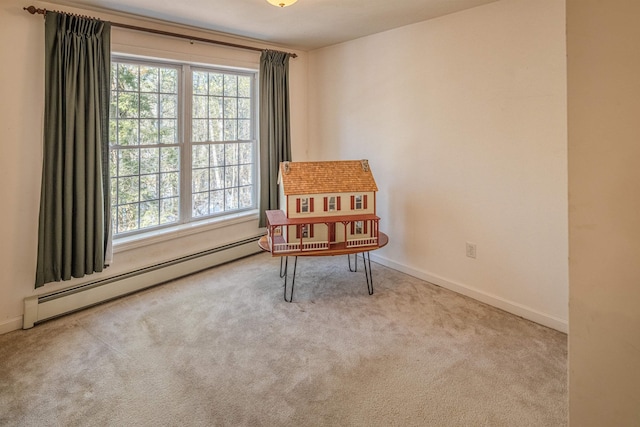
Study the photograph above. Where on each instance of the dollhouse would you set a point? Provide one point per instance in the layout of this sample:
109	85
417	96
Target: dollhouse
328	205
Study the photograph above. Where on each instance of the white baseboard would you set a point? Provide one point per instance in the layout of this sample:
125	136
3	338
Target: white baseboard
493	300
11	325
43	307
509	306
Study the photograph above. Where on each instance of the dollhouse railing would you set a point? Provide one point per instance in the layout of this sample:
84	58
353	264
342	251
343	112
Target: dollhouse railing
297	247
367	241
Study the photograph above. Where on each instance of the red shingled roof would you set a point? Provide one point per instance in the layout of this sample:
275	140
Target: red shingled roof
340	176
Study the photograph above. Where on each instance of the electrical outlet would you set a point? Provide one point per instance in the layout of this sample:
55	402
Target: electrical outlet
471	250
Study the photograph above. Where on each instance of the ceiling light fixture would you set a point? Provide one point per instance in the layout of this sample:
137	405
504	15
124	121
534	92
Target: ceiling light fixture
282	3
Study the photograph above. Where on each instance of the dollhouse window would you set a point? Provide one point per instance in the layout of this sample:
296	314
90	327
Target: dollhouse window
359	227
304	231
358	203
304	204
331	203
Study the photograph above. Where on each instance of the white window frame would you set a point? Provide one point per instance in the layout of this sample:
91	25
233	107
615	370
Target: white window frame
184	144
332	203
359	202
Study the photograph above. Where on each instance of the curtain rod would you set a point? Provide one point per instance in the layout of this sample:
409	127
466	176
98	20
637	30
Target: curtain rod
34	10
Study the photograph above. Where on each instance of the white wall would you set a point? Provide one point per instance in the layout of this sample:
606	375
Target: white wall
463	120
21	110
604	206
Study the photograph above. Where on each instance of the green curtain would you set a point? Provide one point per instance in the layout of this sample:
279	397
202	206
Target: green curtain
275	137
74	227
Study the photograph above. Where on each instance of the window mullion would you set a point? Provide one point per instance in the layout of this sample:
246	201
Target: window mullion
186	97
139	122
255	138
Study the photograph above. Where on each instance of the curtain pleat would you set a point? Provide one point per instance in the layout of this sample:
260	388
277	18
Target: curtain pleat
74	225
275	138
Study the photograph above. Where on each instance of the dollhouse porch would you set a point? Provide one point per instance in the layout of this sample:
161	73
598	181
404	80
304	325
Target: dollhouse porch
339	234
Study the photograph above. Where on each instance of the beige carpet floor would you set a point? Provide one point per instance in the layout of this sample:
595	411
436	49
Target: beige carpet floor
222	348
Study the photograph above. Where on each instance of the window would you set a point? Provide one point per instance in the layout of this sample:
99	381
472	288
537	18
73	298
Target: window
332	203
359	202
304	231
358	227
304	204
178	156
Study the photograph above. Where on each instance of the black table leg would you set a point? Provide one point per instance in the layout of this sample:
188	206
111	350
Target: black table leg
293	279
284	267
286	262
355	269
366	258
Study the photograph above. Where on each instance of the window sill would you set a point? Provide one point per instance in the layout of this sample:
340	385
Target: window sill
158	236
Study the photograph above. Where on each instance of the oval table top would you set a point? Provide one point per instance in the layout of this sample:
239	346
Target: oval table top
336	249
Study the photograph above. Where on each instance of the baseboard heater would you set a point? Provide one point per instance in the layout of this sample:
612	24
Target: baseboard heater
45	307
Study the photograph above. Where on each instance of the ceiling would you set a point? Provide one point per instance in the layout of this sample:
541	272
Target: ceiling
305	25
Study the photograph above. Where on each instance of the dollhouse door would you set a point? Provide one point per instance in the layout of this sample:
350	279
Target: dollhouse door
332	232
